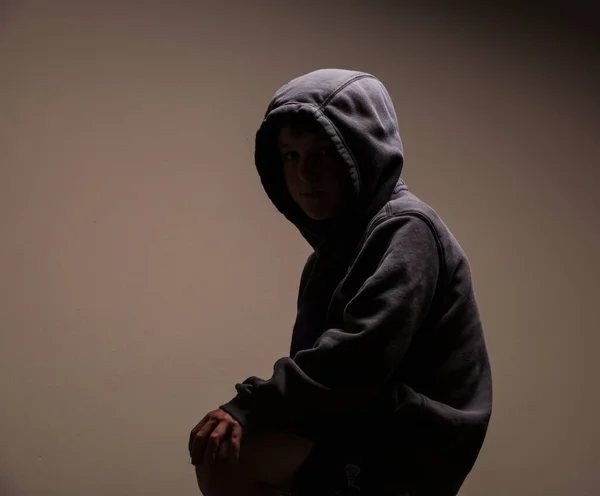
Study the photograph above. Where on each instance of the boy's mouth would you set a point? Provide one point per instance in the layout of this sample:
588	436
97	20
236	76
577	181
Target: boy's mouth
312	194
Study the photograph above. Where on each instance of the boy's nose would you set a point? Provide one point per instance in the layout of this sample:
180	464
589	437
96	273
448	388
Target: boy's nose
308	171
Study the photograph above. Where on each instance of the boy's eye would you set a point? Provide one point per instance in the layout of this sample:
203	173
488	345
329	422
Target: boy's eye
289	156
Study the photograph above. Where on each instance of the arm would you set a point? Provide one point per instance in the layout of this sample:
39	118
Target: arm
305	276
397	272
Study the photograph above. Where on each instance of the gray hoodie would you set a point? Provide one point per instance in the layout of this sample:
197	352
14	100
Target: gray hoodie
388	365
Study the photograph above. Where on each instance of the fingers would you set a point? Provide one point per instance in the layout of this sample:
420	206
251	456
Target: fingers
200	441
235	442
195	431
223	451
218	435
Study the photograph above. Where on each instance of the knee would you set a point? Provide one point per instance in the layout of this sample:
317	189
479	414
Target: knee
227	480
216	473
202	477
210	479
202	474
267	460
215	480
272	458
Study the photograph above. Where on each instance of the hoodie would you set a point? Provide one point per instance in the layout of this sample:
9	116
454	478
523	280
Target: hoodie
388	349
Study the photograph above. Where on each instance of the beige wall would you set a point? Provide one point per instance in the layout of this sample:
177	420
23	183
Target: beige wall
141	265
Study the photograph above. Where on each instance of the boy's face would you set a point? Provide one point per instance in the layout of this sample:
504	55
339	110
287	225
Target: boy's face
316	177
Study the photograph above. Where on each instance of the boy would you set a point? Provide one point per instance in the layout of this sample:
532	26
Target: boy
387	389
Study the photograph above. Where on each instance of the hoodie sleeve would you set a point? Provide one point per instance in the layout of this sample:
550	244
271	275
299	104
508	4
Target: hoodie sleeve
305	276
396	274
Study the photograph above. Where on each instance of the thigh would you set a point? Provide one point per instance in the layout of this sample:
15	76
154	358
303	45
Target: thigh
221	482
348	465
272	457
268	459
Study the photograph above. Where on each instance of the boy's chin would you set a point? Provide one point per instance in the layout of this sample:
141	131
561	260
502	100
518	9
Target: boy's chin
319	215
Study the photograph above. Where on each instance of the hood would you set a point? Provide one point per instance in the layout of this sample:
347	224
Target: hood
357	113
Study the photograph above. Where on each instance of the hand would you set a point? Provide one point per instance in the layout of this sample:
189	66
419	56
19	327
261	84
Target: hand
216	438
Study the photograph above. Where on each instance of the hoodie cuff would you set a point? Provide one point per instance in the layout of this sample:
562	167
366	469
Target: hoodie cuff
239	409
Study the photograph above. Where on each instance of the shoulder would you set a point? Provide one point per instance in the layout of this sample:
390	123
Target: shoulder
406	212
407	216
404	203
